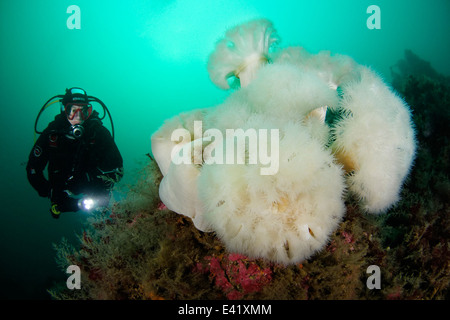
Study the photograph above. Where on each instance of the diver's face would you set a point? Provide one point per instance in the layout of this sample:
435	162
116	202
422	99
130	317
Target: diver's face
76	114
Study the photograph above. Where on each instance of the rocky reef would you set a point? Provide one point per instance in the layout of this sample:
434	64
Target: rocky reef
139	249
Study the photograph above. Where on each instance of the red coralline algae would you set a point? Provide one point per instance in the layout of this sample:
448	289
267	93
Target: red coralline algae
235	275
349	239
161	206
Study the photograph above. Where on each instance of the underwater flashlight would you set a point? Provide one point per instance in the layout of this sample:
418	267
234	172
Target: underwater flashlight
86	204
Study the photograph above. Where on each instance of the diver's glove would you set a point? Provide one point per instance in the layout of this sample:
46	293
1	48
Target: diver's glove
62	201
54	210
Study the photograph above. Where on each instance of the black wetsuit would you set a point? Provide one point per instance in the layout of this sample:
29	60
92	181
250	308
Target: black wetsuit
88	165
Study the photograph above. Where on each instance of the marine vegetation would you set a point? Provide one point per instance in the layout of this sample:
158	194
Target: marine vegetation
139	249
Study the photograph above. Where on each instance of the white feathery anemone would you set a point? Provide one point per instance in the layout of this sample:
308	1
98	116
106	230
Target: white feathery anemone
288	215
162	143
335	70
178	188
284	91
241	52
374	141
285	217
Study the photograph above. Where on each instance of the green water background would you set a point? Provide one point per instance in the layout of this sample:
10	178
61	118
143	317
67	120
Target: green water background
146	59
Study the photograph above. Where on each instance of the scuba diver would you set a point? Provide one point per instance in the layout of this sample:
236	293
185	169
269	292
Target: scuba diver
83	160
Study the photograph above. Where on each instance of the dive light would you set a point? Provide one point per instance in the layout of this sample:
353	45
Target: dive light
87	204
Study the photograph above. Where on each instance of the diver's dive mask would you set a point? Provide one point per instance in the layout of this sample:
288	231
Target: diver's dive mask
82	111
76	114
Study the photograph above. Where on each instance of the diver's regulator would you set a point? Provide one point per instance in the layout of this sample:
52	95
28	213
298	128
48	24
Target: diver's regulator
76	131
